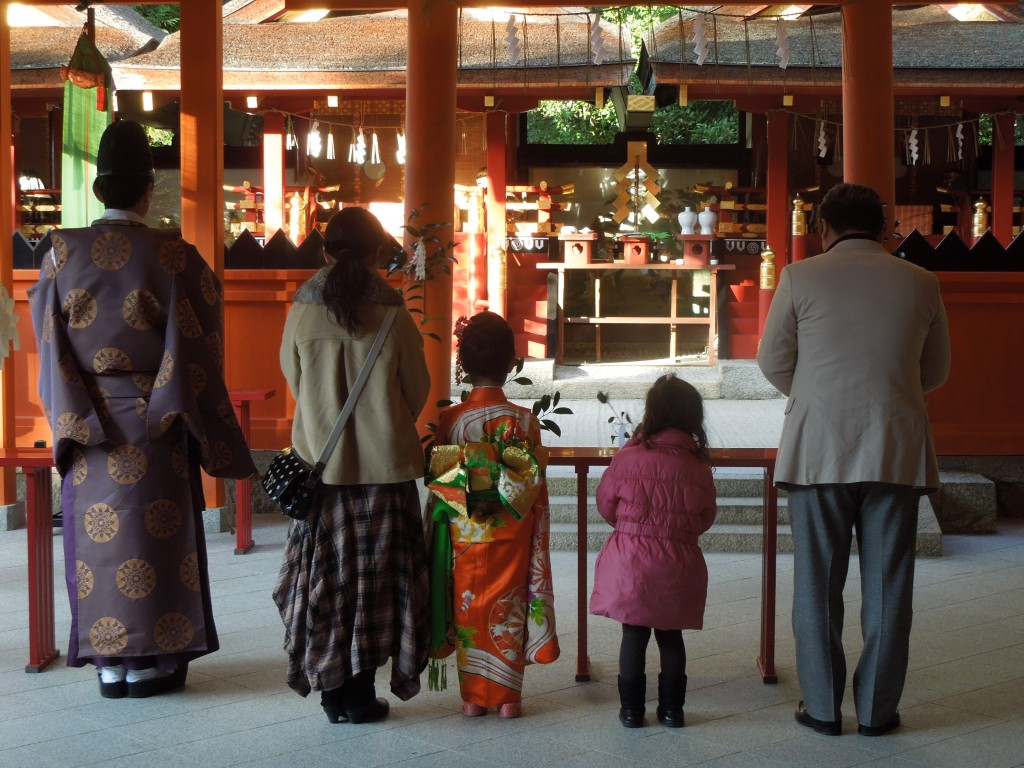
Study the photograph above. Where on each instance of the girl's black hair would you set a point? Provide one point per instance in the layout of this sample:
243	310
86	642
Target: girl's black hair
487	346
674	404
348	281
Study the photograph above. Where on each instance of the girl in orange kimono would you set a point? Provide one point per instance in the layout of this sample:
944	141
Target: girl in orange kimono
491	588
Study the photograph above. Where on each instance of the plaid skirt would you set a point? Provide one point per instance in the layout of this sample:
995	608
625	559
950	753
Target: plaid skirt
352	590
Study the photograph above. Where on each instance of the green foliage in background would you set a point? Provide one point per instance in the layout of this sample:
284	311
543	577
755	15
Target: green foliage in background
167	17
576	122
986	127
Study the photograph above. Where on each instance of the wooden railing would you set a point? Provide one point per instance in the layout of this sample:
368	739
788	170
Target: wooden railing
582	459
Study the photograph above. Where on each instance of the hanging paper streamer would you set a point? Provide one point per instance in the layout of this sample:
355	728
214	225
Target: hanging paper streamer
289	129
400	153
421	260
822	141
8	326
314	144
782	43
359	151
512	40
912	146
959	141
596	41
700	40
330	144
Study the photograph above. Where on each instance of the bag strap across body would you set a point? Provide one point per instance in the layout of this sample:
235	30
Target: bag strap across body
353	395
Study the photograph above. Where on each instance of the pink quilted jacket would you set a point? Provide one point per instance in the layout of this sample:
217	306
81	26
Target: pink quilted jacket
659	500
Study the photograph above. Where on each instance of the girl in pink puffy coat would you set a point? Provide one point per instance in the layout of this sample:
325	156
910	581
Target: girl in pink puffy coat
659	496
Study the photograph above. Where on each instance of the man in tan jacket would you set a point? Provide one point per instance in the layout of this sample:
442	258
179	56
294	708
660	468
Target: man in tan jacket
855	337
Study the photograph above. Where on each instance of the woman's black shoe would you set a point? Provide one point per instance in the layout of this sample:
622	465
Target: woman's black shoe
333	702
361	702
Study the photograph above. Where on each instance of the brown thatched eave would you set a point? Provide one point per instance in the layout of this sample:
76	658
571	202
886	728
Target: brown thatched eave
358	51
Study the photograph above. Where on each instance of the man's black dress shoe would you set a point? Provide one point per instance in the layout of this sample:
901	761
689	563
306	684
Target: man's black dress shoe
880	730
824	727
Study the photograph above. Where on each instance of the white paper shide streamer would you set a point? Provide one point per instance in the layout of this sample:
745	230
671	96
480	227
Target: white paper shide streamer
421	260
959	141
9	337
782	43
314	144
822	141
912	146
700	40
512	40
596	41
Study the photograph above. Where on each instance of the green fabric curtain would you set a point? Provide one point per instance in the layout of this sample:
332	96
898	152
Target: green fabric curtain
87	112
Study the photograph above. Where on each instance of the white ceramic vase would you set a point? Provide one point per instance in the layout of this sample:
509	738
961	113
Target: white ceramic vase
687	220
707	218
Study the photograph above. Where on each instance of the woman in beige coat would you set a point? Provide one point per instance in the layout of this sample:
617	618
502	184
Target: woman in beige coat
352	591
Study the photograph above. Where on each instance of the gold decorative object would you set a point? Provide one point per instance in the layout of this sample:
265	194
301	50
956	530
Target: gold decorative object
767	270
799	217
979	222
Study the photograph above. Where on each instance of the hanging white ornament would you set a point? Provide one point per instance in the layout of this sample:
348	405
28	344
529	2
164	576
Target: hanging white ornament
289	130
596	41
400	152
700	40
782	43
421	260
359	155
330	144
959	141
512	40
912	145
314	144
822	141
9	337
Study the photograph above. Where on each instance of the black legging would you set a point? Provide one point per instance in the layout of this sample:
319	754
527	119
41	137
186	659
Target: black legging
633	651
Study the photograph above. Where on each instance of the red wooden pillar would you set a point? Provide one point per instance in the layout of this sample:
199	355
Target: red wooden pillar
273	173
777	198
8	494
430	168
497	179
202	148
869	153
1002	177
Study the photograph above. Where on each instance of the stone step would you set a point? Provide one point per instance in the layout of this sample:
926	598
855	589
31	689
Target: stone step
728	537
732	510
728	482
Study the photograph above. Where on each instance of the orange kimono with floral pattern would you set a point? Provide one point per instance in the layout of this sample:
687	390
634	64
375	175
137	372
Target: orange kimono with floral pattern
502	597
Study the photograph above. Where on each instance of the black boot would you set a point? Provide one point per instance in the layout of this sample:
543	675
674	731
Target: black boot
632	694
671	698
333	702
361	702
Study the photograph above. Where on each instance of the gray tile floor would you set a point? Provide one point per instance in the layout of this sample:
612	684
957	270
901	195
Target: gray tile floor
963	706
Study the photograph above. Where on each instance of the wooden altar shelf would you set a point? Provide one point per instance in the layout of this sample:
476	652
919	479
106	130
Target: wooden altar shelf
673	320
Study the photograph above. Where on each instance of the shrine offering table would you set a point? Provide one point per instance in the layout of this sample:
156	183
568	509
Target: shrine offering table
37	464
673	319
240	399
582	459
